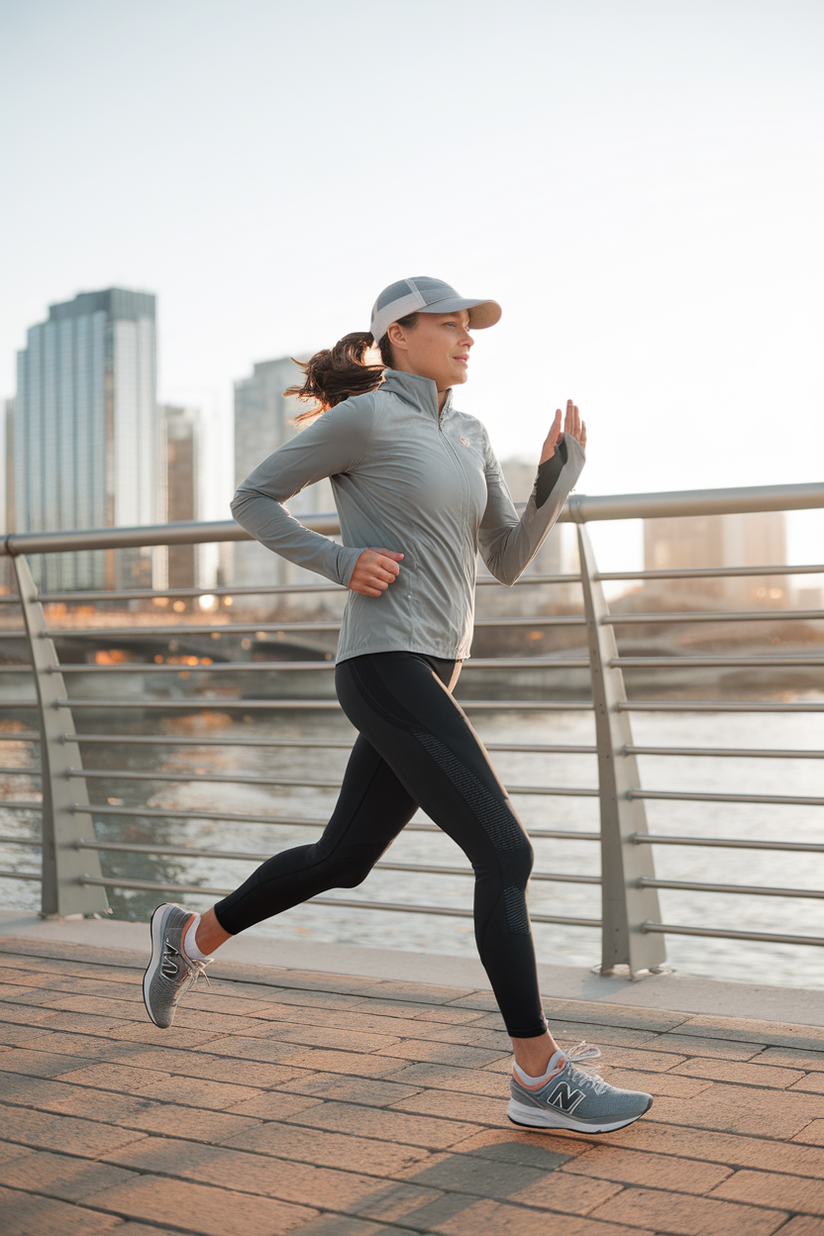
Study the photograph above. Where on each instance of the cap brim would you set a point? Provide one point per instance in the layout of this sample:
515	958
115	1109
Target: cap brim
482	313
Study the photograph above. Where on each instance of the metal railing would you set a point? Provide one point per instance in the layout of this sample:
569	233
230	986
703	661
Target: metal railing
630	924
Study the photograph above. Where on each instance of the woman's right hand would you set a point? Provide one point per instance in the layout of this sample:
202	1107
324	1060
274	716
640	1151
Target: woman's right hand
374	571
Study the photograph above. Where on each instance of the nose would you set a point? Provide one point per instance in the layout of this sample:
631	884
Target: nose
466	338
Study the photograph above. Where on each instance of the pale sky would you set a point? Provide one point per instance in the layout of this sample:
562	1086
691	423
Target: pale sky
638	182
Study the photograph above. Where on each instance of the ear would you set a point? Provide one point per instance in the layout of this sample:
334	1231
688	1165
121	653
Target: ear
397	336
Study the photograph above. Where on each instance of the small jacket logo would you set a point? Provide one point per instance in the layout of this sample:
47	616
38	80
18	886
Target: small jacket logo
465	442
564	1098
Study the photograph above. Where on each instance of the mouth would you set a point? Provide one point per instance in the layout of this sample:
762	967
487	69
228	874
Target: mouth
463	358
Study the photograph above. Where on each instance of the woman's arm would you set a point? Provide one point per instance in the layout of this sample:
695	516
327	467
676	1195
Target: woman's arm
508	544
332	444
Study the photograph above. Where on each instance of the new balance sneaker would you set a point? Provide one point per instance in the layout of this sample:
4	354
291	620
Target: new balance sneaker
573	1099
170	972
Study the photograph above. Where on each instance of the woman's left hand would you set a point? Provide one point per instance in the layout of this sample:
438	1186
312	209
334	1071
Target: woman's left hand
573	425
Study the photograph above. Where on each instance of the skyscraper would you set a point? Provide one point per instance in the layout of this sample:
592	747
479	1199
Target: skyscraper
85	432
180	450
262	424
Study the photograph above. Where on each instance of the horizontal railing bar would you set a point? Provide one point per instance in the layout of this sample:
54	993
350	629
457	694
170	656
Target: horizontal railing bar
21	634
502	663
320	743
19	772
755	753
22	736
730	843
14	599
242	590
175	631
747	615
35	841
239	817
770	660
32	703
5	874
220	702
714	706
717	933
582	508
344	903
696	796
179	851
750	890
9	804
261	779
724	572
16	669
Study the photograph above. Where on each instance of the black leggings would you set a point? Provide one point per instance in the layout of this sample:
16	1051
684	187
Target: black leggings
416	748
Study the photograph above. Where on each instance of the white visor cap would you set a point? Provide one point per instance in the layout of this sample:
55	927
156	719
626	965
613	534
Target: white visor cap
423	295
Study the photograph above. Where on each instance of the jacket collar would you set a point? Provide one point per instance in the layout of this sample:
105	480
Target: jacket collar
421	392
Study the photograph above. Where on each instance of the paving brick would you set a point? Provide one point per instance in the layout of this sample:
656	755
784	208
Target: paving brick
369	1090
654	1083
479	1177
683	1215
26	1214
22	1035
723	1148
569	1034
217	1068
443	1053
608	1014
473	1107
771	1189
771	1076
354	1020
716	1048
86	1046
743	1109
425	993
316	1058
532	1149
804	1225
117	1077
313	1000
323	1036
450	1015
359	1154
657	1171
398	1202
812	1134
442	1077
385	1124
23	1014
205	1210
10	1150
39	1063
576	1195
342	1225
275	1105
770	1033
200	1092
60	1175
793	1058
46	1131
288	1180
488	1218
810	1082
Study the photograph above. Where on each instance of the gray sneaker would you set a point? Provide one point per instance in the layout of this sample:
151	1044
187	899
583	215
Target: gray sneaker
170	972
573	1099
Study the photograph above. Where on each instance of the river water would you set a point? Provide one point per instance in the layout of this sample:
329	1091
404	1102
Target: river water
750	962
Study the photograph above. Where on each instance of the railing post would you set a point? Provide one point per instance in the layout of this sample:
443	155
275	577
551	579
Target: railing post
625	904
63	863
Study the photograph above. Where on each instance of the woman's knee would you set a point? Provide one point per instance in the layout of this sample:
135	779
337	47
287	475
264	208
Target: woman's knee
346	868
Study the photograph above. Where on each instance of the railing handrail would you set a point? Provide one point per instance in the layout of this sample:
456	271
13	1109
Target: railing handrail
581	508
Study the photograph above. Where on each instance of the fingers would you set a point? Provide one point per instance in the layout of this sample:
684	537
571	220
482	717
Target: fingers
573	424
374	571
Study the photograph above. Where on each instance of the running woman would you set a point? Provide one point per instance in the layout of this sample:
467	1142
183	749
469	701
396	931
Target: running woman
419	493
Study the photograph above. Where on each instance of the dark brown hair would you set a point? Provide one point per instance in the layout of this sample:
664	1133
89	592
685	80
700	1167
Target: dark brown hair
333	374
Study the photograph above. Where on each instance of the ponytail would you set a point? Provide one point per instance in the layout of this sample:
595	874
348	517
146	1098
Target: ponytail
332	375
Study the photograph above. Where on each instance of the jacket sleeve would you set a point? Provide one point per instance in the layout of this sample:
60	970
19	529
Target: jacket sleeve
508	543
330	445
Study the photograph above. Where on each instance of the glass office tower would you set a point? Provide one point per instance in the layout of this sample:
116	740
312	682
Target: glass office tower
85	433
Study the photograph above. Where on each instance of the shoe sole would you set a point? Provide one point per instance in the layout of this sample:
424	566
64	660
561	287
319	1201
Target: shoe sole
546	1118
156	927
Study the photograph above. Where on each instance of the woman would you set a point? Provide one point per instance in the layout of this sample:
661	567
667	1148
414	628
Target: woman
419	493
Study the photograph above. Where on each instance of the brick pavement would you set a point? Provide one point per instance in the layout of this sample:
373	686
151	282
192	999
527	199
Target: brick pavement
288	1101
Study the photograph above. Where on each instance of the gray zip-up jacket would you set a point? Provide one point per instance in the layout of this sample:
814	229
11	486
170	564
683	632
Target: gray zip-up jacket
409	480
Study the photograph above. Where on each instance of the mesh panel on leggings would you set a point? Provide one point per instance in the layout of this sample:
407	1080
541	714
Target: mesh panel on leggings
498	822
517	916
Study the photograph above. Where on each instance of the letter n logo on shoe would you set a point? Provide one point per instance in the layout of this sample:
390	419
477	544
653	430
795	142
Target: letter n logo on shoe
564	1098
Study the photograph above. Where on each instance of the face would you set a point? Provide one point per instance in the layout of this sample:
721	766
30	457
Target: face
437	347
